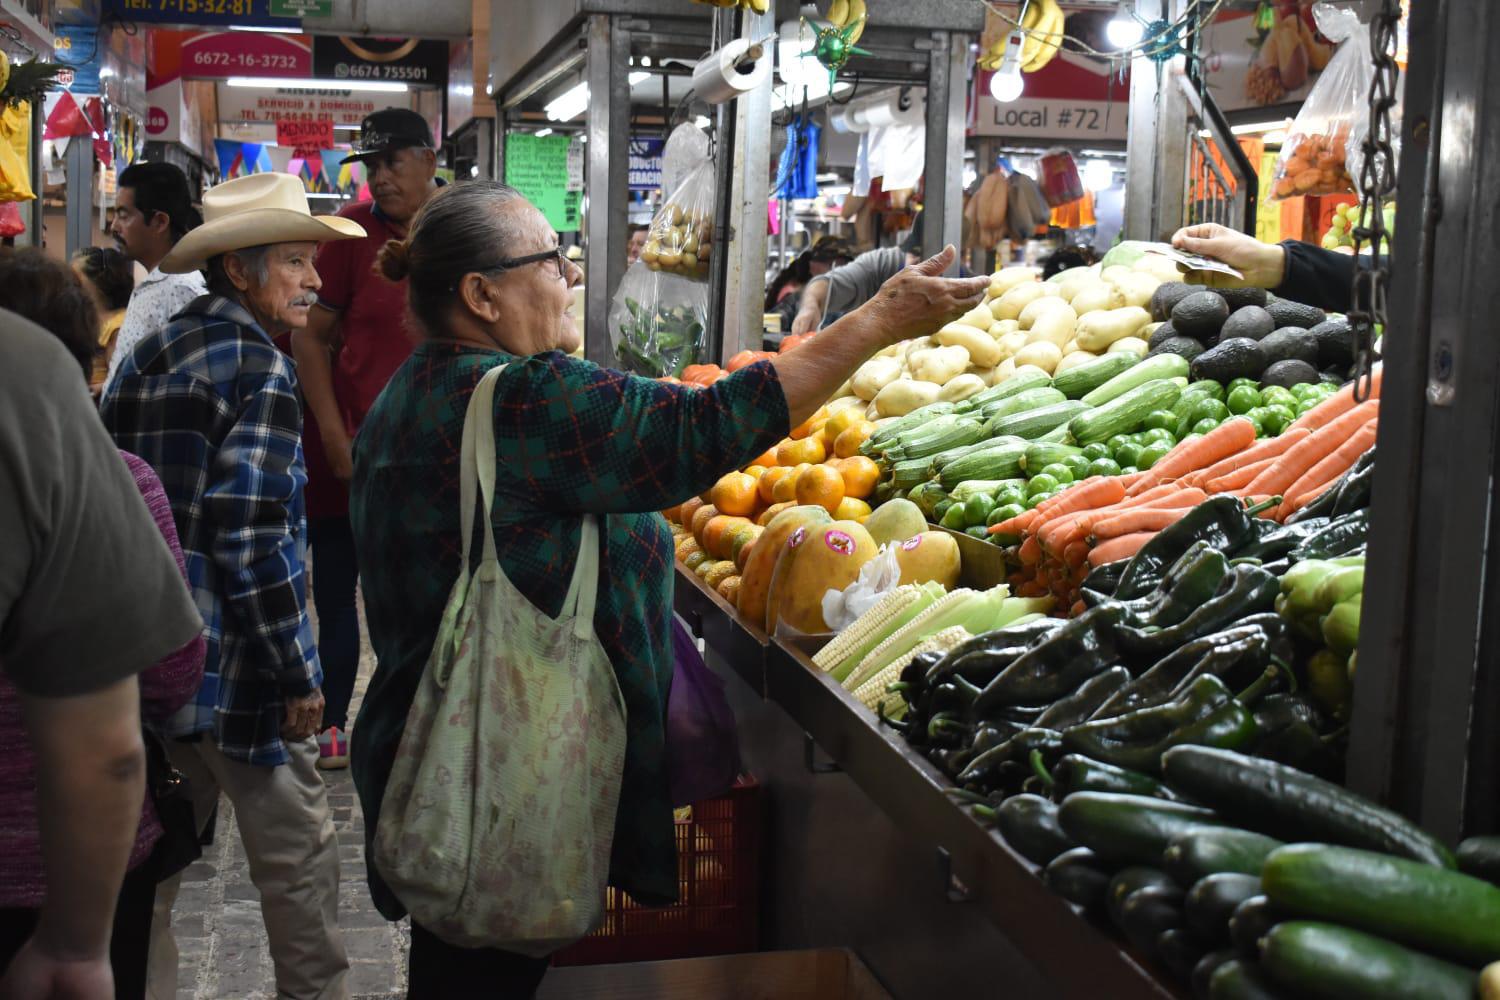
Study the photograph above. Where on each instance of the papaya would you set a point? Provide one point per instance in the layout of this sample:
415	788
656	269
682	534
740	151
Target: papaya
895	521
929	556
760	566
816	560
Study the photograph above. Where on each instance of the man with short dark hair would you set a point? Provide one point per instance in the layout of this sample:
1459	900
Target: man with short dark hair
153	210
353	343
635	243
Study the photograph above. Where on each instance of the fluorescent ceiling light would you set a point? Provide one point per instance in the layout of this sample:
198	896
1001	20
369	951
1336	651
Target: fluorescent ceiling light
1098	175
1254	128
291	83
638	77
575	100
265	29
544	132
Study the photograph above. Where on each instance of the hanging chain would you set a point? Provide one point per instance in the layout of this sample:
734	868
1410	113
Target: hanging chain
1377	181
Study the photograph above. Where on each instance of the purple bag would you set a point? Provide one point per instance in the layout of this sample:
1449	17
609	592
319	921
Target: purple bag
703	747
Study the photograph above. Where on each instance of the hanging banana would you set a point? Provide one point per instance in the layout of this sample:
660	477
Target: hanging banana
1048	33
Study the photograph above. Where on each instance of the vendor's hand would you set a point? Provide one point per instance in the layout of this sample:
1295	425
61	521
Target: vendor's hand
304	716
37	974
1262	264
806	321
918	299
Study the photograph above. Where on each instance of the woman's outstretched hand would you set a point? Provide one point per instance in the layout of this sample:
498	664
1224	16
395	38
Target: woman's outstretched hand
918	299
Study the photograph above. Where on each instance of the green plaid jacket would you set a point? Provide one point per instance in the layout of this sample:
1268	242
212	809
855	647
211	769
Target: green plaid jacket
571	438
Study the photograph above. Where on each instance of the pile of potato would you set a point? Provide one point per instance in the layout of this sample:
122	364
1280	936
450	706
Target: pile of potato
680	241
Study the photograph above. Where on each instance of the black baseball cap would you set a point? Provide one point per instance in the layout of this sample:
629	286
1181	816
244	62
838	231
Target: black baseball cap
390	128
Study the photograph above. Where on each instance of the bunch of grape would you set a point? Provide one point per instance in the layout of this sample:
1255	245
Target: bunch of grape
1346	216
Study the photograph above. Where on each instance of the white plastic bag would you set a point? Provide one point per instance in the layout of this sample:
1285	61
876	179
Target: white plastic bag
877	578
680	240
1315	156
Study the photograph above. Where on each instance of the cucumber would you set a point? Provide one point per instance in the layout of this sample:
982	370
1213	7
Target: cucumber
1211	902
1147	912
1480	857
1124	413
1241	979
1000	462
1443	912
1029	825
1179	951
1034	423
1130	880
1042	454
1129	829
1077	382
1203	972
1205	852
1323	960
1079	877
1031	399
1250	921
1284	802
1017	383
1163	366
942	458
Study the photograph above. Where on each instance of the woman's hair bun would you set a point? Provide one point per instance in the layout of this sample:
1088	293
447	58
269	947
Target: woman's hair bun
395	260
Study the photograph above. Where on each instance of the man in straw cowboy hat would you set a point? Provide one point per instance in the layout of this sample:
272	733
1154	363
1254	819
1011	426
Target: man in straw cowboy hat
212	405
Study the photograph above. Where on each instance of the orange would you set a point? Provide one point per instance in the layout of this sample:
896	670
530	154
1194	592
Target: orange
716	534
838	423
701	517
772	511
821	485
741	538
766	458
687	546
846	445
767	483
671	514
686	510
729	589
735	493
852	509
860	476
807	426
807	449
786	489
696	559
755	470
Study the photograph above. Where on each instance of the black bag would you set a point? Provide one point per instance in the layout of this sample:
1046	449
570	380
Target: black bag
171	794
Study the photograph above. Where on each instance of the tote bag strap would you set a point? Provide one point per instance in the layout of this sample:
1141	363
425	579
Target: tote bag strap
584	588
477	462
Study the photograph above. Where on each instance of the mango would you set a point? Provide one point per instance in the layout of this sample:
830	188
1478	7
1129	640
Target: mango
895	521
929	556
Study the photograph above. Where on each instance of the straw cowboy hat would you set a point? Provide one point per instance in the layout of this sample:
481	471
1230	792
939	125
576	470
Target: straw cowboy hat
252	211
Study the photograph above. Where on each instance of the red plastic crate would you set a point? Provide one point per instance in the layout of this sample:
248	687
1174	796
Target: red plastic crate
718	877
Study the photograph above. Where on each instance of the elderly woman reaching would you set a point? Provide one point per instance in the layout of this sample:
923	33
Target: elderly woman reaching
490	287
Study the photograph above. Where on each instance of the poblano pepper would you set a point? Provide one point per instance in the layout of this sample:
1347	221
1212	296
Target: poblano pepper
1081	705
1281	539
1102	580
1340	537
1349	492
1247	590
1290	733
1221	521
1058	664
1187	583
1076	773
1230	654
987	769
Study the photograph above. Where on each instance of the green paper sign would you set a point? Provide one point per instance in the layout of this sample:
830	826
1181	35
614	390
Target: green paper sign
537	166
301	8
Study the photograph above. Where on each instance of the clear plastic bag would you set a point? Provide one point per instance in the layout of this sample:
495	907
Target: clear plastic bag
1061	182
656	322
1315	156
681	236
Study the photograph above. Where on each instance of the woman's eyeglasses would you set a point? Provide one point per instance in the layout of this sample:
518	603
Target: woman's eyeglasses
556	253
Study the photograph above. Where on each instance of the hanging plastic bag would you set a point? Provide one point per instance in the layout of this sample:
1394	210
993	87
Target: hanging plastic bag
11	222
1315	156
15	145
656	322
1061	182
681	236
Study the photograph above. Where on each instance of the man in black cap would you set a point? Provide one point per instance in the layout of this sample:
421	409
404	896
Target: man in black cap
354	341
836	292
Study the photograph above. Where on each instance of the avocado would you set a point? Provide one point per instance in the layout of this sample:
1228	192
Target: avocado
1289	373
1335	343
1288	313
1163	331
1250	322
1167	295
1237	357
1334	376
1184	347
1290	343
1200	315
1239	298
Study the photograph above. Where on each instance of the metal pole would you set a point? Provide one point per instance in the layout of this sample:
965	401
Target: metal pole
942	219
716	339
745	280
608	130
80	194
36	227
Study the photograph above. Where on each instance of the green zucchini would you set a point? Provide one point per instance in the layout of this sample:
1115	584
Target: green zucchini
1129	829
876	442
1480	857
1250	921
964	490
1162	366
1034	423
1283	802
1211	902
910	473
1323	960
1029	825
1031	399
1000	462
1205	852
1042	454
1130	880
1057	435
1241	979
943	434
1079	877
942	458
1147	912
1443	912
1076	382
1124	413
1017	383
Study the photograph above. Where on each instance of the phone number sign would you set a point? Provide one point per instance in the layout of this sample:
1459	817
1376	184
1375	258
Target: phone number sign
245	12
217	55
1051	118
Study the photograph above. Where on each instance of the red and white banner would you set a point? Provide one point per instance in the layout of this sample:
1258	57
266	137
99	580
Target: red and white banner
1072	97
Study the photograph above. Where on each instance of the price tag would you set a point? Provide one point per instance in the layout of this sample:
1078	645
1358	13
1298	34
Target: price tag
575	166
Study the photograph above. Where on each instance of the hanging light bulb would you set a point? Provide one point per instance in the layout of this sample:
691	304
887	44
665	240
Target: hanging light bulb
1006	84
1123	30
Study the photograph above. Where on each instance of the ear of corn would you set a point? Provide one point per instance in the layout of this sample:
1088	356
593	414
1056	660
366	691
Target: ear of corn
975	611
873	691
855	642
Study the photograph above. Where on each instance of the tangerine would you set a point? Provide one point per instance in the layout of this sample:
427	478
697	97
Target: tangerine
686	547
686	510
702	516
837	424
786	488
852	509
846	445
807	426
755	470
766	458
729	589
860	476
821	485
716	534
767	483
735	493
805	449
772	511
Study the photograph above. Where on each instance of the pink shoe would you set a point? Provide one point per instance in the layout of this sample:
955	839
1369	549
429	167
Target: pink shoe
333	749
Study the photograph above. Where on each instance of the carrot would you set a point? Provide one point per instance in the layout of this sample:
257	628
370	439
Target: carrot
1096	491
1119	548
1339	403
1148	519
1229	438
1240	477
1075	555
1080	527
1331	467
1312	449
1077	608
1030	552
1034	588
1262	449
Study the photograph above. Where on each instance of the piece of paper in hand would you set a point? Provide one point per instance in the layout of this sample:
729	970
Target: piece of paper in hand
1193	261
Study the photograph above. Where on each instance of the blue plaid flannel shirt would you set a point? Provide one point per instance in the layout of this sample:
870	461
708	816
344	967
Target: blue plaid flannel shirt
212	405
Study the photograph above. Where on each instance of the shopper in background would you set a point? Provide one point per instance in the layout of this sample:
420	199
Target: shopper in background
110	275
1291	269
153	210
54	301
212	405
72	641
635	243
489	286
830	295
784	294
353	342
